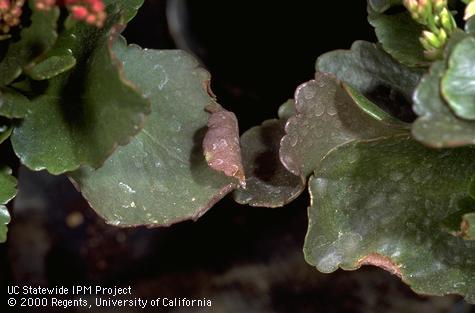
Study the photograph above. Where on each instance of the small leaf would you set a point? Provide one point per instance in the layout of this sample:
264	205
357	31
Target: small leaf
4	221
7	185
7	192
389	198
269	183
458	83
52	67
5	129
382	5
34	41
287	109
399	34
327	117
437	126
161	177
221	143
13	104
374	74
85	113
128	8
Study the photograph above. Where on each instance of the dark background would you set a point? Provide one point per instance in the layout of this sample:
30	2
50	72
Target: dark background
257	52
244	259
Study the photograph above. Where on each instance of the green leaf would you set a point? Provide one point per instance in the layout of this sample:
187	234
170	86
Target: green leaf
13	104
52	67
327	117
7	192
382	203
268	182
128	8
458	83
34	41
374	74
286	110
382	5
4	221
7	185
5	129
161	177
85	113
61	59
399	34
437	126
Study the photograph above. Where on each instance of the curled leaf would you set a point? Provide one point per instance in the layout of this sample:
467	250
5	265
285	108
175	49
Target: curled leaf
221	143
326	116
268	182
381	261
374	76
